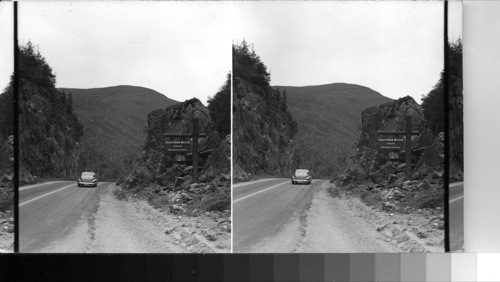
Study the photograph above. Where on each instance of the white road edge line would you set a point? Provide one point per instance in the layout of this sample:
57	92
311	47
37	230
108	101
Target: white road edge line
453	185
36	185
456	199
253	194
252	182
34	199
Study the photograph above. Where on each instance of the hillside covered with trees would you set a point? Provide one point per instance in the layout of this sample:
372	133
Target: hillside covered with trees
219	107
114	121
433	106
263	126
328	119
49	130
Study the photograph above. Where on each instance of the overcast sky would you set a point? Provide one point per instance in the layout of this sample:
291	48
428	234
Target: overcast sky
179	49
6	43
395	48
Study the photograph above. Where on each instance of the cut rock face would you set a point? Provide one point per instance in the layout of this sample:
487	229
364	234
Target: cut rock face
368	163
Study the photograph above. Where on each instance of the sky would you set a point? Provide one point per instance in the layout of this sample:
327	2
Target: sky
7	43
393	47
179	49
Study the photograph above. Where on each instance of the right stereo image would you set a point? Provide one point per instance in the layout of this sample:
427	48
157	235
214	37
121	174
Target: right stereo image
347	127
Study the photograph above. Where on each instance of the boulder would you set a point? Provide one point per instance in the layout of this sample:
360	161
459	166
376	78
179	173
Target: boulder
388	206
177	119
424	185
392	178
209	235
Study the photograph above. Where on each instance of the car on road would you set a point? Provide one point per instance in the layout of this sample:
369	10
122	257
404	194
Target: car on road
302	176
88	179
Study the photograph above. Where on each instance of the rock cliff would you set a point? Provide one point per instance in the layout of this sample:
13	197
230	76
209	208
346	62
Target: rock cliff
263	127
49	131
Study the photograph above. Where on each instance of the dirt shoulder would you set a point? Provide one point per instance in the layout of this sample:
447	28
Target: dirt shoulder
420	231
332	225
133	226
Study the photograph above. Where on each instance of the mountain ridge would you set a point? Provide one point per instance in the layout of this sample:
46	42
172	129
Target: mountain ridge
328	118
113	120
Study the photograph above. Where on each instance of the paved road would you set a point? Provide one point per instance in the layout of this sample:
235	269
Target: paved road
456	216
262	208
49	211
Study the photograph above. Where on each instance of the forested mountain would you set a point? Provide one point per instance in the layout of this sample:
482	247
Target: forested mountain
433	105
328	118
114	121
49	131
263	127
219	107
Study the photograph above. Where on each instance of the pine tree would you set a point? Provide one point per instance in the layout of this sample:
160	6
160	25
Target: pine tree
219	107
70	103
284	106
63	97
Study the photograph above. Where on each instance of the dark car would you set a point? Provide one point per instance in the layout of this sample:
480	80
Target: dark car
88	179
302	176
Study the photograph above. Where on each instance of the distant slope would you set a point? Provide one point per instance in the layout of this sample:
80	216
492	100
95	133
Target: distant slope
114	119
328	118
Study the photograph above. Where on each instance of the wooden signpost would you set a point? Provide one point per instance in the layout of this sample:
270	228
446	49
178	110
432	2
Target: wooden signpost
392	144
185	146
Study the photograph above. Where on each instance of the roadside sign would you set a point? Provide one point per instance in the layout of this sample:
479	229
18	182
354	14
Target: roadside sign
391	144
397	143
184	146
178	146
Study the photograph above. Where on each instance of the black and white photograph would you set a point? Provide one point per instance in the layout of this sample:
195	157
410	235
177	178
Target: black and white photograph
6	128
124	127
338	126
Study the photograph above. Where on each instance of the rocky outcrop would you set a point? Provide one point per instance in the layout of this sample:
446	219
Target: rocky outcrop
166	179
383	172
177	119
48	134
263	132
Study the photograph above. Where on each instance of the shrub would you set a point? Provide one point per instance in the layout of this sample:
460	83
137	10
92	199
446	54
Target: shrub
429	200
218	201
158	201
120	194
334	191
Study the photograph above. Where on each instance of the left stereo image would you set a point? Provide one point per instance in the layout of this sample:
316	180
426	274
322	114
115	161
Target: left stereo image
124	128
6	128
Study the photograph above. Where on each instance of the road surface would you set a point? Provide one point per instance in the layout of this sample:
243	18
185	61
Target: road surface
49	211
456	216
262	208
273	215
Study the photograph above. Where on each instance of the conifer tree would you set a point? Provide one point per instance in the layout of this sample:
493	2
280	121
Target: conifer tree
70	103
